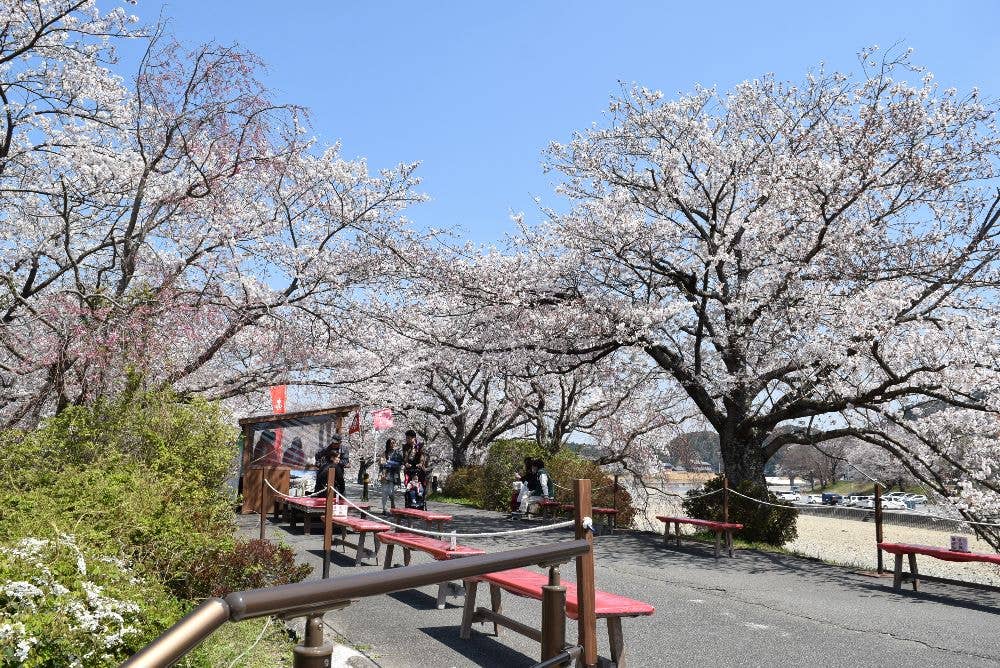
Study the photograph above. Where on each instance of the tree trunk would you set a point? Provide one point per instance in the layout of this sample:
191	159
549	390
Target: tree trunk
743	459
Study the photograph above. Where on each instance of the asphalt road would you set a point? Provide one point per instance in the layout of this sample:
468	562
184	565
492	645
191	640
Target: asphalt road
757	609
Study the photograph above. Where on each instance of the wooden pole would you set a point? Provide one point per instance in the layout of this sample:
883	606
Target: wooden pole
725	498
328	527
553	616
587	621
614	504
878	528
262	506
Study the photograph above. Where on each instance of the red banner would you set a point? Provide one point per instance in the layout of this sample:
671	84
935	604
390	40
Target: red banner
355	427
382	419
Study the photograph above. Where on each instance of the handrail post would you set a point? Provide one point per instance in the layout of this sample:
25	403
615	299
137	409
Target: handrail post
313	653
587	620
553	616
327	528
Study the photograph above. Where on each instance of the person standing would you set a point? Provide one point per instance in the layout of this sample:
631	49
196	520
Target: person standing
415	471
389	465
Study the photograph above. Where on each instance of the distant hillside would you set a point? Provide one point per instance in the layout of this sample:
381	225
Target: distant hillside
695	445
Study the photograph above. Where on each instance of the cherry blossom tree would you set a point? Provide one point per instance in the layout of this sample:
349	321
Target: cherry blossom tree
818	256
181	226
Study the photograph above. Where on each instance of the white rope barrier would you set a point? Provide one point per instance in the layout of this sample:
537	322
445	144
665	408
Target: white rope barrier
444	534
685	496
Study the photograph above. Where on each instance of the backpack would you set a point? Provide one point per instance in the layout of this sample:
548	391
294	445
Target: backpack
551	491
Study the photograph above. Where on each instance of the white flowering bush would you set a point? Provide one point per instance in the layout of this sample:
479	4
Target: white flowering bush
62	605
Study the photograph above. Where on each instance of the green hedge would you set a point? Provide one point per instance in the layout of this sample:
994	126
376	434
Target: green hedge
761	523
466	483
135	484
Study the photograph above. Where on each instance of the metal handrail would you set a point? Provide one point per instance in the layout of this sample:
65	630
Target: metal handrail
305	598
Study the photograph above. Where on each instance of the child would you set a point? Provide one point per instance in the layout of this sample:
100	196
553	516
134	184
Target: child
415	494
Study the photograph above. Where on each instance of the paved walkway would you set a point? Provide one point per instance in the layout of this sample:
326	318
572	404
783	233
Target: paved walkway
757	609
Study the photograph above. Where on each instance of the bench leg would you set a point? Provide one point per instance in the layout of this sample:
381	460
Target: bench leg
307	524
729	542
617	641
343	539
495	605
666	533
718	540
388	555
897	572
361	547
469	610
442	595
913	569
677	532
378	546
406	556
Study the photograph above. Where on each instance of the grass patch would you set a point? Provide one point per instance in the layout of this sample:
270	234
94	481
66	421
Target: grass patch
227	644
457	500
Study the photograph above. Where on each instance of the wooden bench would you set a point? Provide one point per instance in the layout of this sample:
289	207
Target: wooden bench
609	514
720	529
362	527
308	507
528	583
410	514
911	551
440	550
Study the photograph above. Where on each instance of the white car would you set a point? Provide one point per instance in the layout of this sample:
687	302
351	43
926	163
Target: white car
854	500
915	498
887	504
788	496
814	498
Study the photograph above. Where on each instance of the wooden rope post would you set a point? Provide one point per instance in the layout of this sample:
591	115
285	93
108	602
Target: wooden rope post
262	506
725	498
878	528
327	528
553	616
614	505
585	588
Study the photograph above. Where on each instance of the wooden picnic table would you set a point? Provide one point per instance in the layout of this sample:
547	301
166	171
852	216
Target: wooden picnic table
440	550
308	506
943	553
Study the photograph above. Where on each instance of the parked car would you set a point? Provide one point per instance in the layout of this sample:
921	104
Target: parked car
892	504
915	498
814	498
831	499
788	496
855	500
894	495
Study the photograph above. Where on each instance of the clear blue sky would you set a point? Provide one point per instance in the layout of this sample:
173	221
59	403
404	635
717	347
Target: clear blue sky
476	90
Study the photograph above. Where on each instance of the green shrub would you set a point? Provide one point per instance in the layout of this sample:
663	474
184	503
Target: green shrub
137	480
248	564
761	523
466	483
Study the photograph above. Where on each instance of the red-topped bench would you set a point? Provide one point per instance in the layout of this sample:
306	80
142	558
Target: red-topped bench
440	550
911	551
720	529
362	527
308	507
410	514
528	583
